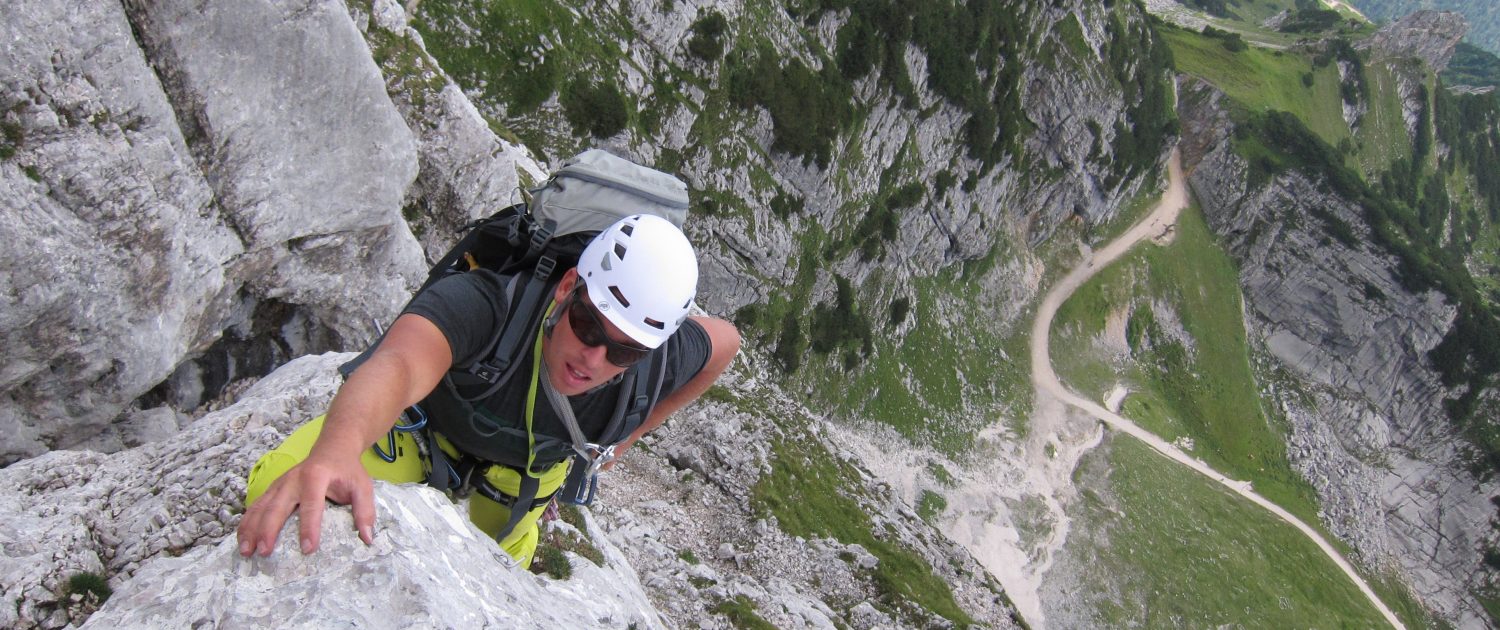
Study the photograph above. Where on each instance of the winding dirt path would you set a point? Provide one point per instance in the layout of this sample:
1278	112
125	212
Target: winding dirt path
1158	224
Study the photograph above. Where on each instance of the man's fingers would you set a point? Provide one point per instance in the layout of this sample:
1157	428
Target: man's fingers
303	490
247	544
363	502
262	523
310	517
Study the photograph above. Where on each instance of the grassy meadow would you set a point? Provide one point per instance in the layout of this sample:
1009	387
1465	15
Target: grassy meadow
1157	545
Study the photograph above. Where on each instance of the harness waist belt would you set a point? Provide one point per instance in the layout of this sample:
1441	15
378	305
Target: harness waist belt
489	491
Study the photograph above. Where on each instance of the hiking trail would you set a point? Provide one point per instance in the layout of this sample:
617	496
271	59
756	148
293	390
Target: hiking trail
1158	225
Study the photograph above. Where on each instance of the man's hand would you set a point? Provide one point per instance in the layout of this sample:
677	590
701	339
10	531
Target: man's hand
410	360
304	488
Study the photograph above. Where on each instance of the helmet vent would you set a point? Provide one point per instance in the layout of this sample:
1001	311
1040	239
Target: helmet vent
627	229
614	290
655	324
605	263
620	250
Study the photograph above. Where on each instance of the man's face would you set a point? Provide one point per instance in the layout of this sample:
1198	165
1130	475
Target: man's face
572	366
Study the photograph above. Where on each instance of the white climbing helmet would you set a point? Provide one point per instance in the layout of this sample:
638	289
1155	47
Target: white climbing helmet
641	273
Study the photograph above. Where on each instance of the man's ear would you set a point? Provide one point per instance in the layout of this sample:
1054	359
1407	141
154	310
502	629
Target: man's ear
565	286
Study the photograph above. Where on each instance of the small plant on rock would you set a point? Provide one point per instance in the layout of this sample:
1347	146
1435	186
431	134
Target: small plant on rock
552	561
89	585
741	613
83	594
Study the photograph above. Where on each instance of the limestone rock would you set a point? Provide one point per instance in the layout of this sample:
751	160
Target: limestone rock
158	521
185	193
315	190
72	511
1431	36
101	176
428	567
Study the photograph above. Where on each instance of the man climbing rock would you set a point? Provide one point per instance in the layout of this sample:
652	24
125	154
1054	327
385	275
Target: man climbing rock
612	354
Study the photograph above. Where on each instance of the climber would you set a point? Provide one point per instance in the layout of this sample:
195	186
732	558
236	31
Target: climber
608	313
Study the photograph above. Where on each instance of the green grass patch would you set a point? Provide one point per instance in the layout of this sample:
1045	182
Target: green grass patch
931	505
551	551
1260	80
926	384
1490	600
940	473
720	394
808	491
1163	546
1382	140
1188	364
741	614
89	585
551	561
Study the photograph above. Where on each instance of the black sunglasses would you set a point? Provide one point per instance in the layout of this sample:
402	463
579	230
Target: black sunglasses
591	332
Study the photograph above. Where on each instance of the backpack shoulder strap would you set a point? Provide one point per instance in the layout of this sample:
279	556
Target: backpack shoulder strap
527	294
637	398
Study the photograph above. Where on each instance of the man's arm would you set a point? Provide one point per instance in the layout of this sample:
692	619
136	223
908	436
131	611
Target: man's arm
724	343
407	365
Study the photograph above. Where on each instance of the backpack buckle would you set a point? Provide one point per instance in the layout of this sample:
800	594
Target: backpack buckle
544	268
540	234
489	372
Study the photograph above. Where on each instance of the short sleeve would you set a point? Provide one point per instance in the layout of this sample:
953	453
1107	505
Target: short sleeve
687	352
467	308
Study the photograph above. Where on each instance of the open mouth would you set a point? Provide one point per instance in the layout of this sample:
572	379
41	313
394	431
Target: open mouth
574	375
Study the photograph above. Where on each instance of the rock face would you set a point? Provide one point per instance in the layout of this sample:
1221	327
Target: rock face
158	522
178	199
73	511
1430	36
428	568
1366	410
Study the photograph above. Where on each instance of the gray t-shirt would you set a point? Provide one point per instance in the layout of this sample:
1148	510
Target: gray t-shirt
469	307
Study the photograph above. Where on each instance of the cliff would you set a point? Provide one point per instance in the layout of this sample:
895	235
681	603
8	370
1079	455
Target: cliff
178	201
1344	346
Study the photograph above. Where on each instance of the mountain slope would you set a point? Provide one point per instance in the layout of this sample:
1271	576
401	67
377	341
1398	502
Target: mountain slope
882	195
1307	232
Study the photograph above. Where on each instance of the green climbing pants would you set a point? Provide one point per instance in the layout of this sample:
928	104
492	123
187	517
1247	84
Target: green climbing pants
409	467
